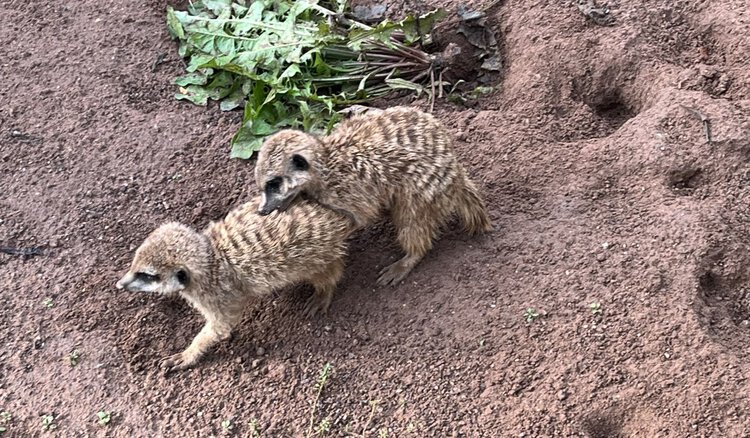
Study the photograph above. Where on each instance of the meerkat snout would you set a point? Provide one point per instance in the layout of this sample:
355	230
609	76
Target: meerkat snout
279	191
276	195
124	281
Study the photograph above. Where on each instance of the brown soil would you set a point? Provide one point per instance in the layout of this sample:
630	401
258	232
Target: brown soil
600	182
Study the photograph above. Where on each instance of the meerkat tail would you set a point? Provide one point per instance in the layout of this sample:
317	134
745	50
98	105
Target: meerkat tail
472	211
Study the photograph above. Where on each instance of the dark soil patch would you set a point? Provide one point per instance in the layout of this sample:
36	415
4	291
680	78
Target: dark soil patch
601	186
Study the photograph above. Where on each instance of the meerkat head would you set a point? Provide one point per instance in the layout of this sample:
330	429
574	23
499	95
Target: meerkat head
285	169
168	261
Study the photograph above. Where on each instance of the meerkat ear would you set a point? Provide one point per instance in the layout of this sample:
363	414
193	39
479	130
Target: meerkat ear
299	162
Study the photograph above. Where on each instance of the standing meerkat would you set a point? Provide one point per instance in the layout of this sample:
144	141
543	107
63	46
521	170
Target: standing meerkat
400	159
245	256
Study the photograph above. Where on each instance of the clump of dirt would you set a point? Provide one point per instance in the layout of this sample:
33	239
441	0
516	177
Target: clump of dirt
600	179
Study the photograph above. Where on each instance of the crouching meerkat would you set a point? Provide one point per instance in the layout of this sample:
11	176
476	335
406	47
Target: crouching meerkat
400	159
245	256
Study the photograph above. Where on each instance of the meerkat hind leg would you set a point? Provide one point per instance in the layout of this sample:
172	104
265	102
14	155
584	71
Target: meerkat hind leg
396	272
416	240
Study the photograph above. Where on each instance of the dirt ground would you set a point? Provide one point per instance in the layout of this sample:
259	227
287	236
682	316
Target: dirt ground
601	184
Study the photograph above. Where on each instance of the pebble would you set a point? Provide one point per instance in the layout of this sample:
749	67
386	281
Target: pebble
601	257
562	395
260	351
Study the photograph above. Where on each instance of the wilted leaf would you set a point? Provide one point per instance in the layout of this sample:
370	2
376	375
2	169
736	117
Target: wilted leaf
403	84
493	63
174	25
467	14
368	14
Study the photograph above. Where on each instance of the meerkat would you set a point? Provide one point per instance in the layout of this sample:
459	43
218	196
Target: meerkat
400	159
245	256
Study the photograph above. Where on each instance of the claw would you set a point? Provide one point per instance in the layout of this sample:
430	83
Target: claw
175	362
392	275
316	304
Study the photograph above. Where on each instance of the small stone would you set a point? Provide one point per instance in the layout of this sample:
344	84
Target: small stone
238	360
745	323
562	395
260	351
256	363
601	257
198	212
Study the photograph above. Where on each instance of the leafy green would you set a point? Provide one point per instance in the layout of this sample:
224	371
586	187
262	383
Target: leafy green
294	64
104	417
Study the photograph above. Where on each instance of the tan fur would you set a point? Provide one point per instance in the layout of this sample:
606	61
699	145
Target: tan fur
245	256
400	159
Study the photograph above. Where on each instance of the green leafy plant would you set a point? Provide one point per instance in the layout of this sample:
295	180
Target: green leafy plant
49	302
254	428
48	422
74	357
5	419
596	308
104	417
324	427
325	374
227	426
531	314
296	63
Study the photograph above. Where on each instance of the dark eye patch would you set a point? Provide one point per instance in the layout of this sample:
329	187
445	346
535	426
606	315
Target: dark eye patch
299	162
146	277
183	277
273	185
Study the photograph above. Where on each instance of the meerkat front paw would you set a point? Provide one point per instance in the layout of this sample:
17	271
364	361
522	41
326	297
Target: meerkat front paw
176	362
